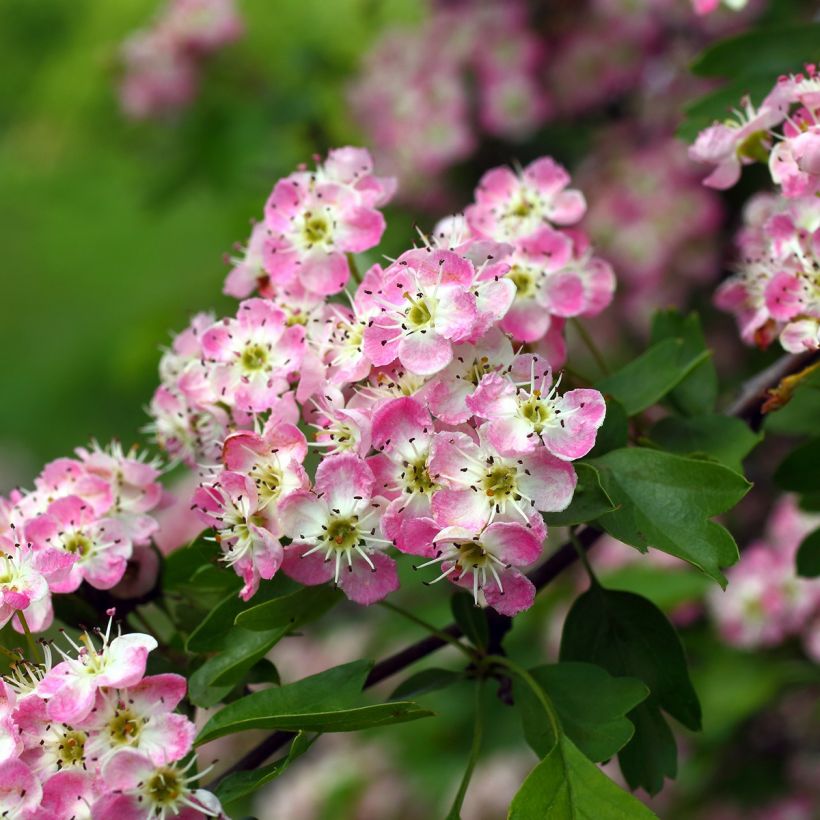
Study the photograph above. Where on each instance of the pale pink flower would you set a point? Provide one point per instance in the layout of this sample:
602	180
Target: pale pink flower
20	790
487	563
65	795
137	789
336	532
256	353
481	484
426	307
71	686
525	411
248	272
247	530
340	427
510	206
22	582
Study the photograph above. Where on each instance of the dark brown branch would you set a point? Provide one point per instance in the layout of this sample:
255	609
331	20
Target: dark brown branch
747	407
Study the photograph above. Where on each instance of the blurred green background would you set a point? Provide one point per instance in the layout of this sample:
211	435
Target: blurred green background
112	232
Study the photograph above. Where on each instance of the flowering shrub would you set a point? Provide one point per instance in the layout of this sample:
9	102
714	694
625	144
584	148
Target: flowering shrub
369	419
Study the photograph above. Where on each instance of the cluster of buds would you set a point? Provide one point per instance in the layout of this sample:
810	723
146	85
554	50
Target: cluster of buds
423	93
93	736
162	64
765	601
439	434
86	520
775	292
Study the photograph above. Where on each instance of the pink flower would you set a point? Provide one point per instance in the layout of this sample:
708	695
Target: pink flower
137	789
511	206
312	222
525	411
256	353
63	793
426	307
140	717
340	428
246	529
481	484
403	433
248	271
100	547
336	532
487	563
22	583
20	790
71	686
729	145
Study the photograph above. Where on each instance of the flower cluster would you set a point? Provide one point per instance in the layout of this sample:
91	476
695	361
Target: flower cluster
162	64
775	292
765	601
436	435
415	92
84	521
94	736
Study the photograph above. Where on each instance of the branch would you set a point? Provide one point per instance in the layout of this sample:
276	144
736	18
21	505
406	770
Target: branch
747	407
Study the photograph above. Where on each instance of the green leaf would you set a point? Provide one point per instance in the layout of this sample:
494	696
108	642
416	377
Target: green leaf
212	629
327	702
428	680
197	559
666	587
614	432
665	501
647	379
591	705
471	618
723	438
244	648
697	392
299	607
780	50
629	636
241	784
565	785
798	417
589	501
808	556
799	471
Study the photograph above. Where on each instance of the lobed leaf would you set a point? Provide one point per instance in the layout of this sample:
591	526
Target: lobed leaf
589	501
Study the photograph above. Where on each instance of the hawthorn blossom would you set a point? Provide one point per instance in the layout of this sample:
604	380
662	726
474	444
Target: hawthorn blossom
525	408
487	563
138	789
479	483
22	583
255	354
246	529
336	532
71	686
314	219
20	790
426	307
510	206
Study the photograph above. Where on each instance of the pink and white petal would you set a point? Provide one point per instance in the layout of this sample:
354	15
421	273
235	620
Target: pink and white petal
526	321
65	795
517	595
567	208
494	397
783	296
425	353
513	543
128	655
550	482
381	341
324	273
449	453
461	508
158	693
302	515
511	436
20	790
399	420
126	769
456	314
563	293
362	229
800	336
167	738
342	479
306	569
365	586
416	536
73	700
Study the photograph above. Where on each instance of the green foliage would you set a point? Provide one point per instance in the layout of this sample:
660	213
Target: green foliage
300	607
665	501
777	50
589	501
799	472
726	439
428	680
241	784
629	636
647	379
614	432
590	703
697	392
565	785
327	702
471	619
808	556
